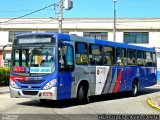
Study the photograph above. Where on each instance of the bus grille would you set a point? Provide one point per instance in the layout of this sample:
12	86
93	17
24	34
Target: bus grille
36	87
30	81
30	92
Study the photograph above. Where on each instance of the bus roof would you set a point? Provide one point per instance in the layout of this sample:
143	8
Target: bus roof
90	40
36	33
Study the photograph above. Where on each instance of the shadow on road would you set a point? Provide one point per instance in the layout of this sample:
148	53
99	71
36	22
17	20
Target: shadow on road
93	99
149	90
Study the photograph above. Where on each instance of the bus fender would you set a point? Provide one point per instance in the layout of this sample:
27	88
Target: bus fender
80	82
133	79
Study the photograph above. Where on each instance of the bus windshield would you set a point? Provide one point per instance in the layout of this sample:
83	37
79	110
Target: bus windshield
30	61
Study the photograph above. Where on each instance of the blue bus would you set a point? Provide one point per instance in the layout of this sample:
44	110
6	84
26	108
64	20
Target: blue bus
56	66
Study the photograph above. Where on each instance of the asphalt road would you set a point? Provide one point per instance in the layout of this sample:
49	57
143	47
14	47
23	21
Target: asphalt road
122	103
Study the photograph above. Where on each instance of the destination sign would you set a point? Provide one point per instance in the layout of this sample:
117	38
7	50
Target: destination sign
34	40
40	70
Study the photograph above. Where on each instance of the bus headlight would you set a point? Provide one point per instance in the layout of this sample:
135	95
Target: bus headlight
49	84
13	84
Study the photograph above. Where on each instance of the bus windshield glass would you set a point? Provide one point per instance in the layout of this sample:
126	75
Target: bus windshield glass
33	55
33	60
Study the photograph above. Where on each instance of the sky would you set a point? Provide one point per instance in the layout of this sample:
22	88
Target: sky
82	9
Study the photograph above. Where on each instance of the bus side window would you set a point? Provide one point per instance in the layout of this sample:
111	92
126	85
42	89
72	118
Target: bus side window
154	59
81	50
108	55
121	57
140	58
149	58
95	54
131	58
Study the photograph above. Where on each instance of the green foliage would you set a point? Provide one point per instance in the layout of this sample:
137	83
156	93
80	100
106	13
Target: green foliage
4	76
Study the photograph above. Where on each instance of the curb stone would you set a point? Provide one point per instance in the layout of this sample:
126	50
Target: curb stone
150	103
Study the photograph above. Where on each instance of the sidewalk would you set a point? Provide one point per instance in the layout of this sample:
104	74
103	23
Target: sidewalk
4	89
154	101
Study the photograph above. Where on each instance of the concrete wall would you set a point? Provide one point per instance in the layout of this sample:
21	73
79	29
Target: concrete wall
1	62
4	37
154	39
77	33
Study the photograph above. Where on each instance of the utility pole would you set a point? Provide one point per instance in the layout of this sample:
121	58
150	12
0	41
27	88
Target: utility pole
60	17
114	26
67	5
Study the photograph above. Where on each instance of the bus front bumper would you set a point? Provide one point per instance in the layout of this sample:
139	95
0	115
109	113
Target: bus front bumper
37	94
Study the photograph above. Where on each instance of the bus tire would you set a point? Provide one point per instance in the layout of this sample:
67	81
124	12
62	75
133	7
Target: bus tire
82	96
134	91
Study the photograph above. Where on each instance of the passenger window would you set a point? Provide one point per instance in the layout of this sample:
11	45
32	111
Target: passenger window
66	61
131	59
81	53
140	60
95	54
121	57
154	59
149	59
108	55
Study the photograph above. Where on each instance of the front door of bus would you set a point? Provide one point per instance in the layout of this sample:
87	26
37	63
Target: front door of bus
66	66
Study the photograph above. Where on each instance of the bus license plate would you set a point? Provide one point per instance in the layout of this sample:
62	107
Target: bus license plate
47	94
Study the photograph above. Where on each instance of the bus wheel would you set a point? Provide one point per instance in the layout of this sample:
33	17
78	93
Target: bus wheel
82	96
43	101
134	89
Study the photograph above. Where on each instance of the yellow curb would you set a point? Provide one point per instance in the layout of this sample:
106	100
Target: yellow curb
156	107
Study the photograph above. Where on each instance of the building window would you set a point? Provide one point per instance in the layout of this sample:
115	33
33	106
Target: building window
98	35
12	34
136	37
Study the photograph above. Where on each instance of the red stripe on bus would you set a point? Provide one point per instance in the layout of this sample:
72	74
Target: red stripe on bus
119	81
22	78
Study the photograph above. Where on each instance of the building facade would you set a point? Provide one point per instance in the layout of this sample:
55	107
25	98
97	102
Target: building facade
137	31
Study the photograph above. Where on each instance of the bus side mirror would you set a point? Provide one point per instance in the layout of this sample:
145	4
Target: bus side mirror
4	52
4	55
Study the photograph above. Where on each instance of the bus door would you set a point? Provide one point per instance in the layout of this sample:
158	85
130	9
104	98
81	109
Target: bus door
66	66
150	69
